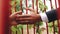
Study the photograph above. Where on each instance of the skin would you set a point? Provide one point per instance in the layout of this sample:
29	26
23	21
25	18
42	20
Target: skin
18	18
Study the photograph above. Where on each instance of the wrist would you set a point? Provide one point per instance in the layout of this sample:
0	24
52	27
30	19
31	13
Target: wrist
39	17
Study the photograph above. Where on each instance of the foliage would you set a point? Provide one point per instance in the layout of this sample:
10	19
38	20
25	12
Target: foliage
42	6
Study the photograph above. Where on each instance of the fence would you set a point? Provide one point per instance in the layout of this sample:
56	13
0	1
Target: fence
6	11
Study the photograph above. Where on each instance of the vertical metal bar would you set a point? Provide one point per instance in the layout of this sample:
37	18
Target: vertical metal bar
53	28
58	27
51	3
53	21
47	27
34	28
4	17
57	20
33	8
37	6
37	13
58	16
21	10
26	6
27	13
46	22
55	3
20	4
15	11
33	4
15	6
9	19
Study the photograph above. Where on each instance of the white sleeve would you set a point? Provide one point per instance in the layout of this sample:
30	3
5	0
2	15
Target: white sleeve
44	17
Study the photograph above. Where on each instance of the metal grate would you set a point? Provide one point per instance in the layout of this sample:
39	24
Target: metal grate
27	31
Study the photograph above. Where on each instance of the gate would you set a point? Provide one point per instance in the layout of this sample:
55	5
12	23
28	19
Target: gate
7	8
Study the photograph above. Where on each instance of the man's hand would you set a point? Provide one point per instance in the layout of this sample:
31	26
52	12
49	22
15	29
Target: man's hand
27	18
30	19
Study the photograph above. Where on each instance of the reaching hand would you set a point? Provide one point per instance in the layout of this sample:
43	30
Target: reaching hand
27	18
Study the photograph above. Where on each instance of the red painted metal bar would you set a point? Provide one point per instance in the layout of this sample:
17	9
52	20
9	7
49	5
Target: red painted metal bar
15	5
21	10
33	8
26	6
34	29
33	4
9	19
15	11
27	13
46	22
4	14
58	27
51	3
37	5
20	4
55	4
57	20
37	13
53	21
53	28
58	14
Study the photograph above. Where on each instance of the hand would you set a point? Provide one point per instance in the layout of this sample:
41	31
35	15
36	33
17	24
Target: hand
29	18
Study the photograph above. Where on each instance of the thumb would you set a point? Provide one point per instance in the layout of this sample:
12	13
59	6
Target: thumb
19	12
15	13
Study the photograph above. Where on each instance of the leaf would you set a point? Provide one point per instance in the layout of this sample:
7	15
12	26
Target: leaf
13	28
42	6
19	26
30	26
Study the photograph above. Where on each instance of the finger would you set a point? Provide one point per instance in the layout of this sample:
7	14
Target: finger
19	12
24	19
23	16
26	22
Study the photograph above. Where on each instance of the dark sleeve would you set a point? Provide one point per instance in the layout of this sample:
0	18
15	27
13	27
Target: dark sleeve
52	15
